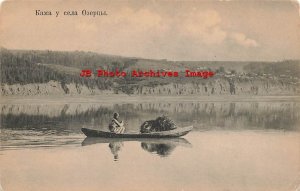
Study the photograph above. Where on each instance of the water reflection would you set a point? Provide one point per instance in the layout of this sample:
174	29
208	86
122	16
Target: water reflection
162	150
115	148
160	147
202	115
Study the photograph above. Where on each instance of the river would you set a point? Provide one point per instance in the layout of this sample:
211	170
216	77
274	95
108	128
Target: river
235	145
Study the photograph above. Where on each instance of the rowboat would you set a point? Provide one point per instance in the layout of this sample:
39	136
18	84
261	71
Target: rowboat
178	132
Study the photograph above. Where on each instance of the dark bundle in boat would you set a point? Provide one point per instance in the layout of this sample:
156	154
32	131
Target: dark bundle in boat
159	124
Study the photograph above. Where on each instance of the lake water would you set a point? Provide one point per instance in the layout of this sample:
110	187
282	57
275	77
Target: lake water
234	146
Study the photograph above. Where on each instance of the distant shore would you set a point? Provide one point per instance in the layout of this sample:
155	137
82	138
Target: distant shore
114	98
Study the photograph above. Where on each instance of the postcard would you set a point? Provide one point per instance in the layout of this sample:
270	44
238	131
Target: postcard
151	95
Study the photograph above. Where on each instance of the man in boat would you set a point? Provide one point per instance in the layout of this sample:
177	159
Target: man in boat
116	125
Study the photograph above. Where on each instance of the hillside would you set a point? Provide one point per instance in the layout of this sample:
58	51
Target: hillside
30	72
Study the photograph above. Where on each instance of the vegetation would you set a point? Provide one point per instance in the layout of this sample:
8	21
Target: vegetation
289	68
26	67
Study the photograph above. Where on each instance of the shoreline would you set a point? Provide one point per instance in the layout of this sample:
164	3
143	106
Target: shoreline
113	98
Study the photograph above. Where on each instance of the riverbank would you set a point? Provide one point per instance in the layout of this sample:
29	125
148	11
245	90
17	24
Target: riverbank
115	98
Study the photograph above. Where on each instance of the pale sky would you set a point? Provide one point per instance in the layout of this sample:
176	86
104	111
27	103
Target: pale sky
173	30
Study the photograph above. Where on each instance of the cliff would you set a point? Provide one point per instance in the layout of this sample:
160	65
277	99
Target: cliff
217	87
50	89
223	86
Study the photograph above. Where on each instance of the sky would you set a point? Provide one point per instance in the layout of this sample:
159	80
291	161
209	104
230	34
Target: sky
156	29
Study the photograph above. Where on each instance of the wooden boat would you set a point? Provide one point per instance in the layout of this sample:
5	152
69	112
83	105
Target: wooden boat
178	132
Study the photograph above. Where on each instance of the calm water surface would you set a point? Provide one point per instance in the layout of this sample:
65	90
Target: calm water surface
234	146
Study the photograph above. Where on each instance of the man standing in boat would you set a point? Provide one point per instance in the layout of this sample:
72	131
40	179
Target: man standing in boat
116	125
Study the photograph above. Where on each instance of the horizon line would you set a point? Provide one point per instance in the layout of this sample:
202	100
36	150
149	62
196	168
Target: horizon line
144	58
